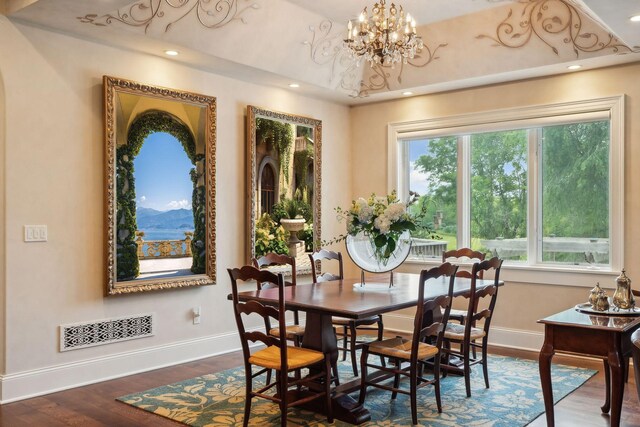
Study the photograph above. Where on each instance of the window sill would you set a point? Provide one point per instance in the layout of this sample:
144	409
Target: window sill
575	276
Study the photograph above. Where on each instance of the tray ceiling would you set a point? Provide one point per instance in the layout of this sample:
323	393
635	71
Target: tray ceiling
277	42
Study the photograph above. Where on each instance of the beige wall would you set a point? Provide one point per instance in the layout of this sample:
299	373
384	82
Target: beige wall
54	176
519	304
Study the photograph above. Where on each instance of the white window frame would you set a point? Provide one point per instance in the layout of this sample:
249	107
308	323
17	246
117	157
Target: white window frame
611	108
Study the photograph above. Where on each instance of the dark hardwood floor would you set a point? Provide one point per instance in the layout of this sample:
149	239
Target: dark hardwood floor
95	405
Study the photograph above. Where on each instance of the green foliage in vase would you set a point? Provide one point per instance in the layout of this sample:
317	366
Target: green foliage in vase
270	237
383	220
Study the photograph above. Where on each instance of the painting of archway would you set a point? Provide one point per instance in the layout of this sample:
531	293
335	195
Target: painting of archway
160	177
284	182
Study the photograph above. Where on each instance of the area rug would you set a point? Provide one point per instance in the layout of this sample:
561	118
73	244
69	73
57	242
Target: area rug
514	399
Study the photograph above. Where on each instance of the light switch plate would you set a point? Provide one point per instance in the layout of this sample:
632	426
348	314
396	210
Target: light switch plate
35	233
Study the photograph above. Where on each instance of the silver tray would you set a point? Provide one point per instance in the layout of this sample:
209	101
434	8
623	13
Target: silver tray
587	308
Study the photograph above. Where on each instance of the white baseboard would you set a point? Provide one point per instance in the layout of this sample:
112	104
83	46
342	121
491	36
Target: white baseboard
501	337
27	384
37	382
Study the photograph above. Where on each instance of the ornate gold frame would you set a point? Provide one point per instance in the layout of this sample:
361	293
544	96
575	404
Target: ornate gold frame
113	86
252	113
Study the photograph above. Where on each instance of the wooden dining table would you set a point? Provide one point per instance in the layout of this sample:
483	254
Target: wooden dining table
348	298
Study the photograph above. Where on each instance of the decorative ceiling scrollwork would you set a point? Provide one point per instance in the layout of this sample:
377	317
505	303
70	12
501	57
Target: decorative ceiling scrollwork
556	23
208	13
326	49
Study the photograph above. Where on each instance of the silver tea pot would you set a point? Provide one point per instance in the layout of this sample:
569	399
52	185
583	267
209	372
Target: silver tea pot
623	297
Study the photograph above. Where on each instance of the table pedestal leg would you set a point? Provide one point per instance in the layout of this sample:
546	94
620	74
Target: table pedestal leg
544	361
319	335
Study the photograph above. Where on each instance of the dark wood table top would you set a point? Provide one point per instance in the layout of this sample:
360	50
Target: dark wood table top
345	298
577	319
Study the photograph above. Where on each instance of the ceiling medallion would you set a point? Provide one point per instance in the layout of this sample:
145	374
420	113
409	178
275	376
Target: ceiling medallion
387	37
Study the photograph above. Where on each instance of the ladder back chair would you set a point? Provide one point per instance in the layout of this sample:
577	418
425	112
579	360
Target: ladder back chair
349	327
417	351
277	355
467	335
460	257
295	332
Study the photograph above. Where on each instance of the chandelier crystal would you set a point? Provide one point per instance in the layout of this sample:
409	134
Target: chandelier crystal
387	37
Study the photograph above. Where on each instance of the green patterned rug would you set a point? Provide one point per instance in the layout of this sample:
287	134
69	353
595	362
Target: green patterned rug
514	399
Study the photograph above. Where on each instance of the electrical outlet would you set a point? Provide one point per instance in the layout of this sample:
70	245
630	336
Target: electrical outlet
35	233
196	315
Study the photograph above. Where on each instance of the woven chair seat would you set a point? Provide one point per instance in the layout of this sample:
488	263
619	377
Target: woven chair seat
297	357
455	331
293	331
400	348
343	321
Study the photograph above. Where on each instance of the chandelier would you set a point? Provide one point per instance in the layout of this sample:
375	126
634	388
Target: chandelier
385	37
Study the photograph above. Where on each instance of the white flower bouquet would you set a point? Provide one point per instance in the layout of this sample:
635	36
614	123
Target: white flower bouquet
383	220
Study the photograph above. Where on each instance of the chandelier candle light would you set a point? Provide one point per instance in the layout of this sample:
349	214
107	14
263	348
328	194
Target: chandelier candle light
385	37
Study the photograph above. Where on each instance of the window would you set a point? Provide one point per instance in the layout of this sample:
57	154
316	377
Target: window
539	187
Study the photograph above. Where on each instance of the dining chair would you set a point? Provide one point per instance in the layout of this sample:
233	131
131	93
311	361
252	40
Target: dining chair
635	351
467	335
416	351
277	355
349	327
462	257
295	332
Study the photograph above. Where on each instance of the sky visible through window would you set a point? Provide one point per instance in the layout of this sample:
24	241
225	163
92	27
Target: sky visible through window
418	180
162	174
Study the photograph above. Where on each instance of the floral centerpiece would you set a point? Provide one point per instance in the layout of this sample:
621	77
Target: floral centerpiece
384	221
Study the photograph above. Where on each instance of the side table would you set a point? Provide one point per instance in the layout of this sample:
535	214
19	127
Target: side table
606	337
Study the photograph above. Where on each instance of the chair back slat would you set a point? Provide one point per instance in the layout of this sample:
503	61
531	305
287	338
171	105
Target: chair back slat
321	255
251	307
463	256
432	330
484	314
256	336
273	259
243	309
420	330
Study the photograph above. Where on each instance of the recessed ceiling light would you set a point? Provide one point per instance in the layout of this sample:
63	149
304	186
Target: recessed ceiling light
635	18
407	93
574	67
294	85
171	52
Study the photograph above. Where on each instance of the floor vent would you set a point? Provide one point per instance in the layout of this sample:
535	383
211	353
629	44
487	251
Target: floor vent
83	335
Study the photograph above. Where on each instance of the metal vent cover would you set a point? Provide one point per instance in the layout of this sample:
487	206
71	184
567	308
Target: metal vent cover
83	335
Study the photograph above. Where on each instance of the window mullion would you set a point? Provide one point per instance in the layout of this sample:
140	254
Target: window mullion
464	191
534	197
405	169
